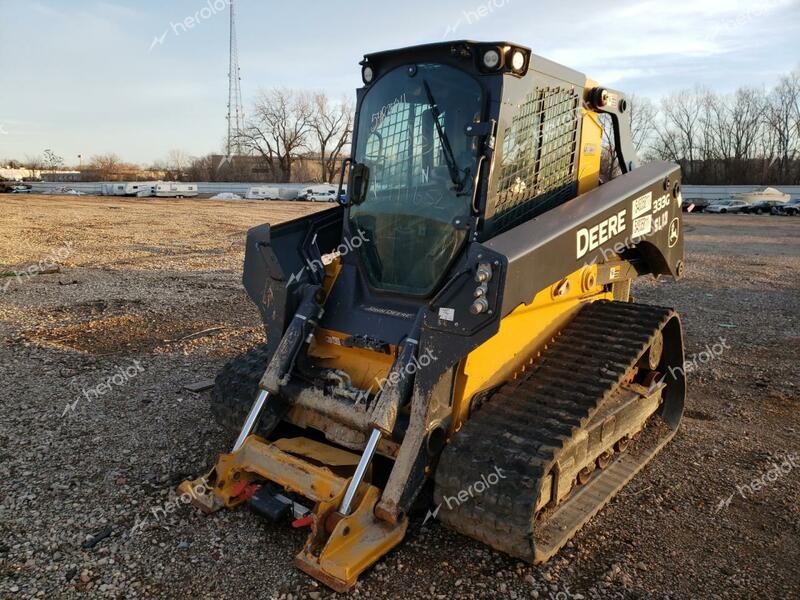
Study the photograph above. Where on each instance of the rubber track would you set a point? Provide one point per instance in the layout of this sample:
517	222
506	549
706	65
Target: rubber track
523	427
236	387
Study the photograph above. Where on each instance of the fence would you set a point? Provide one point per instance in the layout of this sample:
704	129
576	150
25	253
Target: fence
690	192
212	188
720	192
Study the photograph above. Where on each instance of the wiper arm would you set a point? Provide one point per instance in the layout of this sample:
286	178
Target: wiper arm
449	157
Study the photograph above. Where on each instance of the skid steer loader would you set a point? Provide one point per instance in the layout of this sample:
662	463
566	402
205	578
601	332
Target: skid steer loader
461	323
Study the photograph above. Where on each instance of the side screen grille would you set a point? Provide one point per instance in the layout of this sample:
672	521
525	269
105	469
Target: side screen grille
538	170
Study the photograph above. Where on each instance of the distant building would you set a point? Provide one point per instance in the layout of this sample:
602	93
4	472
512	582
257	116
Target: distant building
61	176
10	174
254	168
121	175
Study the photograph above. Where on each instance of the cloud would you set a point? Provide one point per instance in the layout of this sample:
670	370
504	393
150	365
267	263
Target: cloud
118	11
140	103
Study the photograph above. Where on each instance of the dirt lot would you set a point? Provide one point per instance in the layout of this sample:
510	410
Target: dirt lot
149	291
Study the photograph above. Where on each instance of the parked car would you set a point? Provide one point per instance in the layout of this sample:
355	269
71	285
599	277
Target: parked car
326	195
727	206
694	205
787	208
763	206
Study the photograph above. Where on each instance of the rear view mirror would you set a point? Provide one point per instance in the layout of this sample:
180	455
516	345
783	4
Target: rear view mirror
341	198
359	182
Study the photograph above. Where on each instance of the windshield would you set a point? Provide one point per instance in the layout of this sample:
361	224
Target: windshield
411	136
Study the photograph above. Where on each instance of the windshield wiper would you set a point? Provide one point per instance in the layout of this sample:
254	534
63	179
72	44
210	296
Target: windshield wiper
447	150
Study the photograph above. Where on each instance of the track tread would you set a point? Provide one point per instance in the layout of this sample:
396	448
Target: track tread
236	386
522	428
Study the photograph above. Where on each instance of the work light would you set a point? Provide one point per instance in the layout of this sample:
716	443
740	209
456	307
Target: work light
491	59
367	74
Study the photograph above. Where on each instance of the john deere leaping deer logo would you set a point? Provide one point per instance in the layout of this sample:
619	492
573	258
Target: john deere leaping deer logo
673	232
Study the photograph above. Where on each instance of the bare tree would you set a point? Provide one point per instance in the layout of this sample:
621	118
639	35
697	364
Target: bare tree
643	122
106	165
202	168
332	126
278	129
52	161
734	132
745	137
783	121
609	166
679	135
34	162
177	162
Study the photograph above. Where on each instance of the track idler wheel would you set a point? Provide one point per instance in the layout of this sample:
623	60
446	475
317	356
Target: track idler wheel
604	459
622	444
585	474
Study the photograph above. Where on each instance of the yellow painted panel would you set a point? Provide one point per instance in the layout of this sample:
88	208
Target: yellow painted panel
365	367
523	334
590	152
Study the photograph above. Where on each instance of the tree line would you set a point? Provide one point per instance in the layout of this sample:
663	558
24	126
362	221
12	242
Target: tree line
290	135
751	136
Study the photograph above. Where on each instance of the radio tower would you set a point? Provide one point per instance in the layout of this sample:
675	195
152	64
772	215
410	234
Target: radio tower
235	111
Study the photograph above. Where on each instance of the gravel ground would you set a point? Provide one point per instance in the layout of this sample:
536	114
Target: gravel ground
96	429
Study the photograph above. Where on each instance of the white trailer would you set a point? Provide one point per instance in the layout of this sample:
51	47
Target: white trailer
324	192
260	192
129	188
141	188
112	189
175	189
271	192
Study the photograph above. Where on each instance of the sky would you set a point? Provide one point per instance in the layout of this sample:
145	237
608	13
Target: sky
90	77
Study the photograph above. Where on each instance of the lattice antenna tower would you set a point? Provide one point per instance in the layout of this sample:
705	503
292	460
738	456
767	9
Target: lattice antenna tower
235	110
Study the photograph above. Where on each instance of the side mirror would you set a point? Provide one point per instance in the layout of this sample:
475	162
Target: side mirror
359	182
340	197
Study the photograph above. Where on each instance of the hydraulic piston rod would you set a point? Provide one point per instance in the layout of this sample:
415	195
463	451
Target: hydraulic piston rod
252	419
361	469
